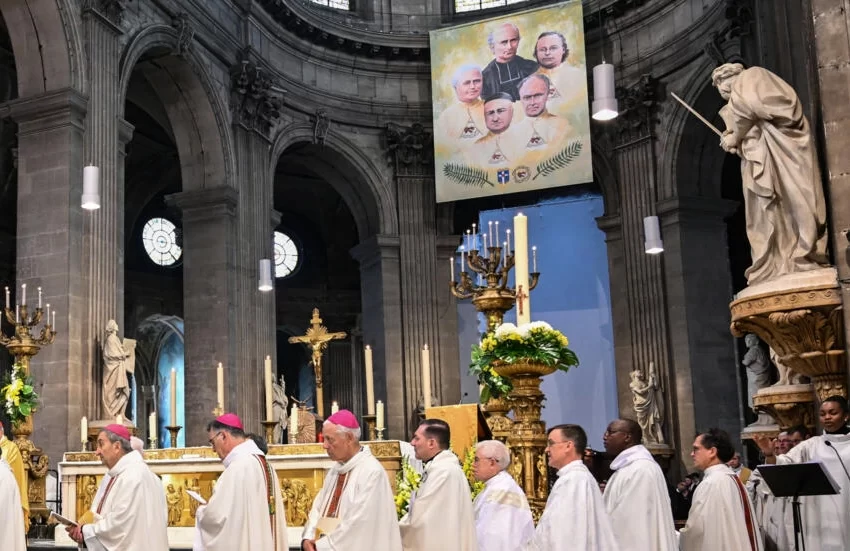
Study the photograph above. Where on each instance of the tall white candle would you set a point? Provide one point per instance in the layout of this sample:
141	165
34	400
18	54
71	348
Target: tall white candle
334	407
294	420
269	402
490	231
84	429
370	382
452	265
534	258
17	313
152	425
7	296
53	325
462	267
219	385
426	376
23	294
484	239
474	235
468	239
173	419
498	237
508	231
39	297
521	268
379	415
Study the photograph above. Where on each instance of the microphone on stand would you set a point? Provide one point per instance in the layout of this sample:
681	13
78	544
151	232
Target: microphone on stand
462	398
843	466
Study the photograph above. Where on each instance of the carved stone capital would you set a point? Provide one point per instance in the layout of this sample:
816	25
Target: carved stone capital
804	325
412	148
637	105
185	33
255	100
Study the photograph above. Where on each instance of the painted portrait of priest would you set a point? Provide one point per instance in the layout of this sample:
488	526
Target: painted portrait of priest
536	135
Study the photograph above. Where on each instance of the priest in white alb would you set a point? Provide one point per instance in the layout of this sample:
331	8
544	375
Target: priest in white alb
721	515
355	510
130	514
575	515
12	535
503	520
440	514
246	509
636	495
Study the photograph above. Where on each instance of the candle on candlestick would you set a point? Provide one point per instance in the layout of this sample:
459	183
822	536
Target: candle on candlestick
7	296
484	247
468	239
521	268
505	247
462	268
370	383
269	402
452	264
334	407
508	231
497	234
475	235
173	397
294	417
534	258
47	319
152	425
490	231
84	429
39	297
219	385
23	294
379	415
54	321
426	376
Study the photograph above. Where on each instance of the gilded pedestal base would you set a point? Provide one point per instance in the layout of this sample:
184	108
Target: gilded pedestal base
789	405
496	410
800	317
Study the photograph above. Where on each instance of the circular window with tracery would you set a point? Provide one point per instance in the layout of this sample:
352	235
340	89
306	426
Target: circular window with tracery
285	255
159	237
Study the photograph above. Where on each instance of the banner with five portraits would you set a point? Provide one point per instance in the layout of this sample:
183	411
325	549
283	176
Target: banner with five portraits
510	104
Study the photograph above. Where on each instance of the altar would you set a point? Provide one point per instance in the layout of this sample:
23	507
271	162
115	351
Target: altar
301	469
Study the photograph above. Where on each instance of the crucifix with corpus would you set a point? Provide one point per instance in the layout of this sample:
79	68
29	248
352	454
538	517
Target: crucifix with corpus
318	337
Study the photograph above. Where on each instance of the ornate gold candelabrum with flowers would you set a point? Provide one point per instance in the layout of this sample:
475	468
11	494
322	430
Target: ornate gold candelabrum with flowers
23	345
488	288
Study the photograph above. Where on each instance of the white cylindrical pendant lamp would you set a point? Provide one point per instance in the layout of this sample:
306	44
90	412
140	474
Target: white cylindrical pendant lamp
91	183
604	92
652	235
266	275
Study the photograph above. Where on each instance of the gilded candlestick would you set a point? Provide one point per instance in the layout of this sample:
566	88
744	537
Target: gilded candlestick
173	431
269	427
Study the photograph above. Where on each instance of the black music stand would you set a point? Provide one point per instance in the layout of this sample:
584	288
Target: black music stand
798	479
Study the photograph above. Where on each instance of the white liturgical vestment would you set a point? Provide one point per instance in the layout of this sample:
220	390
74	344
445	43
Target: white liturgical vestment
773	514
826	519
12	536
721	515
358	493
575	516
503	519
238	513
638	503
440	515
130	514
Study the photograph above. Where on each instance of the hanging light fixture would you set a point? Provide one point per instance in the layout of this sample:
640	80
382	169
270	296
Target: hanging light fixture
91	195
652	235
604	105
266	284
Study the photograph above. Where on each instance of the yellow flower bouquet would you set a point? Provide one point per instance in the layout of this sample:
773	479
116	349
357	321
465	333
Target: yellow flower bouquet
19	396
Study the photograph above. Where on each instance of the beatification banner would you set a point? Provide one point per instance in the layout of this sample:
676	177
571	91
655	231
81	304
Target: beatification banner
510	104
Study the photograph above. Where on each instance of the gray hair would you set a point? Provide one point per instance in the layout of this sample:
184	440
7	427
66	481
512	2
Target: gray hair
725	71
495	450
463	69
355	432
112	437
491	41
532	76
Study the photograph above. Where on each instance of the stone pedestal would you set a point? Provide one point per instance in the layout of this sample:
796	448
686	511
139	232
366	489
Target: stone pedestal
799	316
789	405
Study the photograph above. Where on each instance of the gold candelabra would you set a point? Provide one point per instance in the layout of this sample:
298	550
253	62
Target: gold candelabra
23	346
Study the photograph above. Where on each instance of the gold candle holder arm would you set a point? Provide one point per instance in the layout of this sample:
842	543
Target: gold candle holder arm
462	289
535	277
174	431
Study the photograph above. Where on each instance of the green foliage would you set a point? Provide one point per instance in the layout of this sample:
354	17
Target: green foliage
560	160
18	395
466	175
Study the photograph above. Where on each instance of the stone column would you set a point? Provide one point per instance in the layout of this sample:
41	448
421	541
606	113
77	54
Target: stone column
51	137
210	277
380	289
411	150
255	108
104	228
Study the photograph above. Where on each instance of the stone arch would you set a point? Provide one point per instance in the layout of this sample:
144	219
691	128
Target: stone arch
198	115
46	65
364	191
605	176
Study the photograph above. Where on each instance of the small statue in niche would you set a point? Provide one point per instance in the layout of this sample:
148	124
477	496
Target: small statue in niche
648	403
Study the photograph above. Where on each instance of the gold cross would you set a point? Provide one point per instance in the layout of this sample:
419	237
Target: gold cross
318	337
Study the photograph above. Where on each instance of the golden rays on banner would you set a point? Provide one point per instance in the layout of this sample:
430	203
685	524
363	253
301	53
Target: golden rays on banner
510	104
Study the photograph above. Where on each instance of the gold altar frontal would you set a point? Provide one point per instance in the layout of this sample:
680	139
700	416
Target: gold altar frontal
301	469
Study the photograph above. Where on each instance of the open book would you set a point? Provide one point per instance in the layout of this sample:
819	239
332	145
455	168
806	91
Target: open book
56	517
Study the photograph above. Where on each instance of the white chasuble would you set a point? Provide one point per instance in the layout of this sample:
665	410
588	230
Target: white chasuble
237	515
12	537
575	517
637	500
130	514
826	519
440	515
359	495
721	515
503	520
